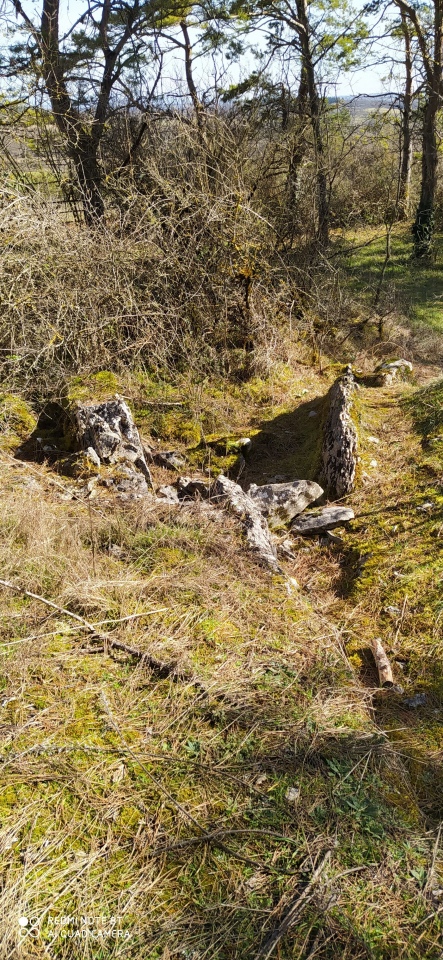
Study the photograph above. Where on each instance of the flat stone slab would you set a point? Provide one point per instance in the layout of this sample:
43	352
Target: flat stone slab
318	520
281	502
247	510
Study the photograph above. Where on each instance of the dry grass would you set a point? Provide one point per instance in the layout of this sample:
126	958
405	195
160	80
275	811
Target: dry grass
146	817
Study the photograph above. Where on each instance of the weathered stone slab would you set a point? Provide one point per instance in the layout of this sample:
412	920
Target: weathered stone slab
340	441
316	521
281	502
247	510
108	430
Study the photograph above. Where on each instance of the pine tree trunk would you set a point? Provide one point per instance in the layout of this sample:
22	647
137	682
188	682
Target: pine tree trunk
315	112
404	185
90	176
423	229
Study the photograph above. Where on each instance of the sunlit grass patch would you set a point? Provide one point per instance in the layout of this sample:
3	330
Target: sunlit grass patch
411	287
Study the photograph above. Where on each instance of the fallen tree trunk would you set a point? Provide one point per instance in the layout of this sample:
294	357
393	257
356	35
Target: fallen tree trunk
339	453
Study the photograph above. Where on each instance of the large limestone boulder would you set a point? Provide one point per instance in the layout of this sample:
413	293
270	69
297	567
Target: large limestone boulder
388	370
109	435
281	502
340	441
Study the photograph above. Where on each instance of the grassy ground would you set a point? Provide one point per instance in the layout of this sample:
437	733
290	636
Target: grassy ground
152	816
409	287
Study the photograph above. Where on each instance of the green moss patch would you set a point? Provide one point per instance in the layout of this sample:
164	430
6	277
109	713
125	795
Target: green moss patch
17	419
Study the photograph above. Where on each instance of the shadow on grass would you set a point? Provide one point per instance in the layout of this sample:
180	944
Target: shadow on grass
426	407
287	447
411	286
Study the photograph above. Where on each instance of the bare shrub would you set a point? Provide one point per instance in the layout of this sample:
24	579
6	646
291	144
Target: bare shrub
183	272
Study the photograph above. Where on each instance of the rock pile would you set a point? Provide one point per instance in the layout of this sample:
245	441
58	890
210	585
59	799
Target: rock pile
107	435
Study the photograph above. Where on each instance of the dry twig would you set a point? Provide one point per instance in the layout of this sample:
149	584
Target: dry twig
294	911
161	668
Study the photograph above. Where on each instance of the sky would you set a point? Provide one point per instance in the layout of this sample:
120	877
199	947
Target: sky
372	79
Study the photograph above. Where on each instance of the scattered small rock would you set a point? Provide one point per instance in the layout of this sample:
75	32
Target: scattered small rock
316	521
93	456
373	440
292	584
133	487
292	794
393	612
168	494
373	464
169	459
413	703
285	548
192	487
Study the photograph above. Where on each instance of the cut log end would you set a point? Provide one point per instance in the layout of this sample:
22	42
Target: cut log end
382	663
